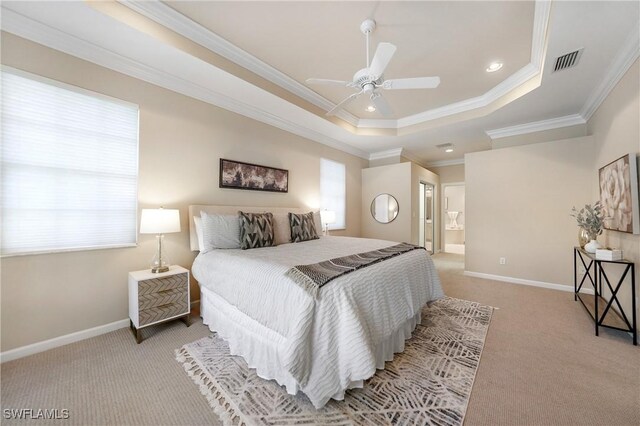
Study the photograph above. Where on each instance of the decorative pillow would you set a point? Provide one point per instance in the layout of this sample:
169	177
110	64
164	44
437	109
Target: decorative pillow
220	231
256	230
317	221
303	227
198	222
281	228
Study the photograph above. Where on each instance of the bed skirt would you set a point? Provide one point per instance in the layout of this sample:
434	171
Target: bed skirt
261	347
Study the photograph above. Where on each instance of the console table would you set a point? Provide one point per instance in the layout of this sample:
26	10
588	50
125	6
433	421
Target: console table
600	309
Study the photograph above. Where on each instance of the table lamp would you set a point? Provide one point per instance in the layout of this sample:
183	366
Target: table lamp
327	217
159	221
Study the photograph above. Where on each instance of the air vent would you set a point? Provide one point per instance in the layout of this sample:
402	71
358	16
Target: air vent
444	146
567	61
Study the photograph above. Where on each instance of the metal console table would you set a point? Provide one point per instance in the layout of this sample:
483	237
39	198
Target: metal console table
600	309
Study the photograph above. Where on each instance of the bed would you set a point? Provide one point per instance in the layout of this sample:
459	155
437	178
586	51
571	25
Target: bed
322	345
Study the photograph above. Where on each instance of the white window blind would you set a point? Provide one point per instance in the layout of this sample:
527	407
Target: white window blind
333	190
69	167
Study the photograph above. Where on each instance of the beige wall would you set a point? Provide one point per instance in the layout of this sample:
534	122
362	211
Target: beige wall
544	136
518	202
394	179
616	130
449	174
518	198
401	180
181	141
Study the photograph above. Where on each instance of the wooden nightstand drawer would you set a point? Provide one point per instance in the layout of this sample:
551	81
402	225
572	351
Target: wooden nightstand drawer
163	297
155	298
162	312
157	285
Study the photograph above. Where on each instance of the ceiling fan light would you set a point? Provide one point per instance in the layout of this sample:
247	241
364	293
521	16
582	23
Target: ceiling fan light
371	108
448	150
494	66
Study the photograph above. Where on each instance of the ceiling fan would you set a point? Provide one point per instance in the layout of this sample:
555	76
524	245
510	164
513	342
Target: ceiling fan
370	79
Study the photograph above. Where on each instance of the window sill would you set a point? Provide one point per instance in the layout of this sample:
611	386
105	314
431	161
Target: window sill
69	250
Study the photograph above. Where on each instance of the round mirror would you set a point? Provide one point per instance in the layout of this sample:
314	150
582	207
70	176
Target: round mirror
384	208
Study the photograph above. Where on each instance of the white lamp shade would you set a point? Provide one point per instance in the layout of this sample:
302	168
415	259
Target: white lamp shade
327	216
159	221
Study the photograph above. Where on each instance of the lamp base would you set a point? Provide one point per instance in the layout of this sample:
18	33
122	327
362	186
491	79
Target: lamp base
158	269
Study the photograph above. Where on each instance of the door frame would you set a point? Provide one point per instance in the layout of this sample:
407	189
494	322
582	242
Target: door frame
443	211
434	214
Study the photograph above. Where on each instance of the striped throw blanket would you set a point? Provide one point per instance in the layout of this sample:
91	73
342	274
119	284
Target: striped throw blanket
313	277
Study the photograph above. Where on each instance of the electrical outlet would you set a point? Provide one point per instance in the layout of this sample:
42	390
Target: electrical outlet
503	260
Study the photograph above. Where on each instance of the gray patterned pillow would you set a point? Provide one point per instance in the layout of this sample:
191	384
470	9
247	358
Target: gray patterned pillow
303	227
256	230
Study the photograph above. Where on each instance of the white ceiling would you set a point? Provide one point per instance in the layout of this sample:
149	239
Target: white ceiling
453	40
294	43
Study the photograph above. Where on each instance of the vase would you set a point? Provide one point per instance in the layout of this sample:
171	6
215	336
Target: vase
583	236
592	246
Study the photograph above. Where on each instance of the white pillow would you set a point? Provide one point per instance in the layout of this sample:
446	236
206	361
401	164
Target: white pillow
198	221
220	231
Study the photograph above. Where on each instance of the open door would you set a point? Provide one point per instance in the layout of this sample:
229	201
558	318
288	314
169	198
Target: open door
426	220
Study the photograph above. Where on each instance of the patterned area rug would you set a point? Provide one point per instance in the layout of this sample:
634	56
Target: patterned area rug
427	384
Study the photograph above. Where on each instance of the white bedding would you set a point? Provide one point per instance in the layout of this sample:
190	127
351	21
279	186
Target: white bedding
329	343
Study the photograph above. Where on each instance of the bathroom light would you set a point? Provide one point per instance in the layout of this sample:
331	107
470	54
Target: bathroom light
371	108
495	66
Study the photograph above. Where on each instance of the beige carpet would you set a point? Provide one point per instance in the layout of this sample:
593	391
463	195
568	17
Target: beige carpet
541	365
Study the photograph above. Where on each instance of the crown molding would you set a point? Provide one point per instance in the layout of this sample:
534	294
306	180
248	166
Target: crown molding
536	126
626	56
524	74
515	80
444	163
389	153
175	21
30	29
172	19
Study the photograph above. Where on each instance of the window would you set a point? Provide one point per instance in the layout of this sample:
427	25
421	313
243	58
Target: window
69	167
333	190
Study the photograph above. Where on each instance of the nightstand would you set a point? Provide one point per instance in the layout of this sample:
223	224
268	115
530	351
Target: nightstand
156	298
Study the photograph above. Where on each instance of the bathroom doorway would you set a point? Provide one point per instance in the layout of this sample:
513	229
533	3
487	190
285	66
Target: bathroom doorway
453	218
426	221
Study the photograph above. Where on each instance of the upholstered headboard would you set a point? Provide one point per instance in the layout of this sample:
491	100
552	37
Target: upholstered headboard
195	210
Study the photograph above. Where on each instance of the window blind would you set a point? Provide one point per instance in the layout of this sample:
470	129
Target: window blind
333	190
69	167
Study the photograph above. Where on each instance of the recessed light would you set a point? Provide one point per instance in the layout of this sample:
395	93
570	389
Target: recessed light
371	108
448	150
495	66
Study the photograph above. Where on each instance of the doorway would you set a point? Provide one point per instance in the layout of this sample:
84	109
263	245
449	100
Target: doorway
426	221
453	204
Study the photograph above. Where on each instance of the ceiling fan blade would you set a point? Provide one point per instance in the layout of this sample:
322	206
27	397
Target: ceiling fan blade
412	83
381	59
344	103
329	82
381	105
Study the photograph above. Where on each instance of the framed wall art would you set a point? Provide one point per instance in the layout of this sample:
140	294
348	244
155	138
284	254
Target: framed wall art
619	195
239	175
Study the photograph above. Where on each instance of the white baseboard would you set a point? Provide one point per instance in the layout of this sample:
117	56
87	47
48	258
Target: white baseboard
521	281
61	340
66	339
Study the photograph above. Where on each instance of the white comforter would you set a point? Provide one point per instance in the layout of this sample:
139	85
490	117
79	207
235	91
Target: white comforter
329	342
